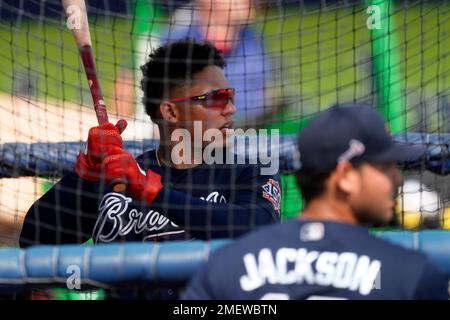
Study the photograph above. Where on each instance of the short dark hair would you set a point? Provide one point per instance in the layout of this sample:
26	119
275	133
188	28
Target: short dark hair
311	185
173	65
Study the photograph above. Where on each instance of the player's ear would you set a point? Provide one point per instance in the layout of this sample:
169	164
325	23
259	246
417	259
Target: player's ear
169	112
347	177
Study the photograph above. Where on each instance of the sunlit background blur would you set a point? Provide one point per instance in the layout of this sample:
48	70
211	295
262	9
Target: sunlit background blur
289	60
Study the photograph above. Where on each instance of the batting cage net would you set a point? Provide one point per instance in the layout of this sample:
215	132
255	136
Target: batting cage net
287	60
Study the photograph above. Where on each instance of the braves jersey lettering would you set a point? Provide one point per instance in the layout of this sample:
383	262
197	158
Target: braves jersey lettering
215	197
181	210
344	270
114	210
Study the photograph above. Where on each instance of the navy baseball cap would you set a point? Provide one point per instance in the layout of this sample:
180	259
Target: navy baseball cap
355	133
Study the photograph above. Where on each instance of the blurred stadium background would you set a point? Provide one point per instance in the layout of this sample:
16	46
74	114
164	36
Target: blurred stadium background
321	53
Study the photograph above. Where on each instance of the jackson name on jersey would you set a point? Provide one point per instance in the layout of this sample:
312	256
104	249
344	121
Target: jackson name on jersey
342	270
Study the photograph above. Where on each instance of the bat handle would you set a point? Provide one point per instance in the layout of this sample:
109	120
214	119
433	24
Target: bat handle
118	185
87	56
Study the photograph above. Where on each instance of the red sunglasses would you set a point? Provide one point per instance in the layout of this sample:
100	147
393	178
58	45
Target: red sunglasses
216	98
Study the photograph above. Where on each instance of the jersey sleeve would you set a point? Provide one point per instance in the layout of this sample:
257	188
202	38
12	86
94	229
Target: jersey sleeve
256	202
433	284
64	214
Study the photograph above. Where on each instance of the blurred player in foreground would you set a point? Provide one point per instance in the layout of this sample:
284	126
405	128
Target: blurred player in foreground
349	179
165	199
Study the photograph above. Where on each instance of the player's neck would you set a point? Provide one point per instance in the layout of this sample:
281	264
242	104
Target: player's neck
324	209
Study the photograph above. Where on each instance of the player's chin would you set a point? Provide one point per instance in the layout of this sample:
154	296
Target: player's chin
385	217
378	217
226	134
216	143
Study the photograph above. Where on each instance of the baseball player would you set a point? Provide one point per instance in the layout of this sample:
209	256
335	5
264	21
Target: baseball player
348	178
167	197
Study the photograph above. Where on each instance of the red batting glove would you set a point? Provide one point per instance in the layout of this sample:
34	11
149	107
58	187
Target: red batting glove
141	185
102	141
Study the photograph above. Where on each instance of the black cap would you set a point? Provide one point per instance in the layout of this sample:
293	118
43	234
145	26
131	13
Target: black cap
355	133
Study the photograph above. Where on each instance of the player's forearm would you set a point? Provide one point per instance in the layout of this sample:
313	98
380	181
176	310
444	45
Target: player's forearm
64	214
205	220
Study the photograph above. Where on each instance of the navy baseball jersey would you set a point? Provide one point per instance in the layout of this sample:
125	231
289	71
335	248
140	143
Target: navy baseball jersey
208	201
316	260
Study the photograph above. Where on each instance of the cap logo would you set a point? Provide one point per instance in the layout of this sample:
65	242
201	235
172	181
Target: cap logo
356	148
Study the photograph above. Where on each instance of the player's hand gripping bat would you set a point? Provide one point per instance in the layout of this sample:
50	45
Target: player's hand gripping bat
78	23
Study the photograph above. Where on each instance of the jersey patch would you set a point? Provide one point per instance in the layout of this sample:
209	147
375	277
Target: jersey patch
272	192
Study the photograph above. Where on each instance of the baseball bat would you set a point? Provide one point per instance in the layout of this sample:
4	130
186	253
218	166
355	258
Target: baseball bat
77	21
